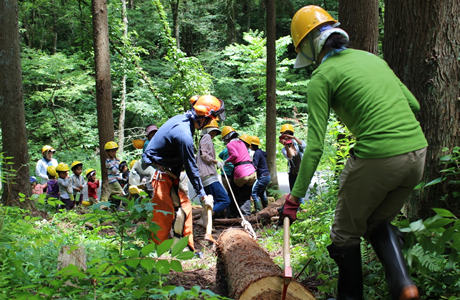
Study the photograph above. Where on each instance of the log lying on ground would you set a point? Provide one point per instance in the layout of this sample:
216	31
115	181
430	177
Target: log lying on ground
251	274
263	216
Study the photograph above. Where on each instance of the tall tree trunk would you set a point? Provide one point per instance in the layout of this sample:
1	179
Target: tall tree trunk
230	22
360	19
121	123
12	116
422	46
54	29
271	91
103	83
175	13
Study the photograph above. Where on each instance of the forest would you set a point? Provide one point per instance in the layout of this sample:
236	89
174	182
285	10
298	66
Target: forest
159	53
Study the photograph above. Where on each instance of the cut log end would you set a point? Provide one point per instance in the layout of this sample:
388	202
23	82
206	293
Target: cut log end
271	288
251	274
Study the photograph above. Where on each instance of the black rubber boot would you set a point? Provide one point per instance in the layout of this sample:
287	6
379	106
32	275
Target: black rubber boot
387	245
257	206
264	202
348	258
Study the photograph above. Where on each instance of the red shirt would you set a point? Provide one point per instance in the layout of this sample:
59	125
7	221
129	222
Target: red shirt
92	189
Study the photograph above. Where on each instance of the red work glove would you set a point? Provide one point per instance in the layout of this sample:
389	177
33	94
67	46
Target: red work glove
289	209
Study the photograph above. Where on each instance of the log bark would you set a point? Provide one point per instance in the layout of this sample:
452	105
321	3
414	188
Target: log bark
264	216
251	274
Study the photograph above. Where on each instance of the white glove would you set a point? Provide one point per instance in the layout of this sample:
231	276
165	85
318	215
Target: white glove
220	164
208	202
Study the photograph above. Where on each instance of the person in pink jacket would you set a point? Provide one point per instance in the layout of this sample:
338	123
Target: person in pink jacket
244	174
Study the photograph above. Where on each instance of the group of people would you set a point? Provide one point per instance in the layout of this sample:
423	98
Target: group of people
385	164
170	149
57	183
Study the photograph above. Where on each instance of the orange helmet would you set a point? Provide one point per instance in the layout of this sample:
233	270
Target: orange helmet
208	106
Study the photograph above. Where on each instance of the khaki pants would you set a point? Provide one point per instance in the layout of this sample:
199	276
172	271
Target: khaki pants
115	189
92	200
373	191
246	180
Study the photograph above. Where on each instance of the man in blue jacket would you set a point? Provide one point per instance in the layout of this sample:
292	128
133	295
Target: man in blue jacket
169	151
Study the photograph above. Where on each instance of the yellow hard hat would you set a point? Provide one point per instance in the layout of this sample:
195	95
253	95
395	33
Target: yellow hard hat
226	130
246	138
62	167
255	140
86	203
134	190
89	172
132	163
286	127
110	146
306	20
52	171
212	124
47	148
75	163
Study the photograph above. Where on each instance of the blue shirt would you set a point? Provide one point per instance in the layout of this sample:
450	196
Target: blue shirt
228	167
260	163
112	169
145	145
172	147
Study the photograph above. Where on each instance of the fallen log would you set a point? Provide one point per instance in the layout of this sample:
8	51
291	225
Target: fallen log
263	216
251	274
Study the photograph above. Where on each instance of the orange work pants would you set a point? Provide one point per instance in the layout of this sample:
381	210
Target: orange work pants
162	186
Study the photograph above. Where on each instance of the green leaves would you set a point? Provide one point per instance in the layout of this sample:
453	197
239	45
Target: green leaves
444	213
164	246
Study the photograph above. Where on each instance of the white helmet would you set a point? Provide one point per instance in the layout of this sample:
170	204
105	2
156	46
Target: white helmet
314	42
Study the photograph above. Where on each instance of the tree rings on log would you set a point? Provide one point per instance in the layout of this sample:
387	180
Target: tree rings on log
251	274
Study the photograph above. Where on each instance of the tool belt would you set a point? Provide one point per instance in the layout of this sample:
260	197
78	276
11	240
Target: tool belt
159	168
247	162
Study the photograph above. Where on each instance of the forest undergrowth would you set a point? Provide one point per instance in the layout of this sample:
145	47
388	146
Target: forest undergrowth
122	263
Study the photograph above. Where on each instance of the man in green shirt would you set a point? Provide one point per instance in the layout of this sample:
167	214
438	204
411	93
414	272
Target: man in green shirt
386	163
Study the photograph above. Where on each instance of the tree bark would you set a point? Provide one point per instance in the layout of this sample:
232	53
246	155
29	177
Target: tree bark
12	116
251	274
103	83
264	216
175	13
271	135
360	19
422	46
230	22
121	121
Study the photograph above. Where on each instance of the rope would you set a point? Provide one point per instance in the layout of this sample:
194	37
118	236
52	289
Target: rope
245	224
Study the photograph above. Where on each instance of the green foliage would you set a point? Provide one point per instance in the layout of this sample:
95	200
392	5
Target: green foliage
59	104
432	250
450	175
243	66
29	248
